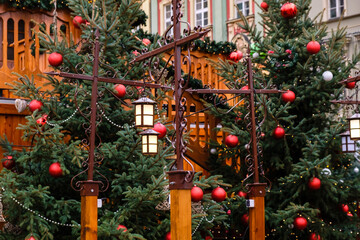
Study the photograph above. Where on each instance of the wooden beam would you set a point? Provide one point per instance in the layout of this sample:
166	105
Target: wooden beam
180	214
89	217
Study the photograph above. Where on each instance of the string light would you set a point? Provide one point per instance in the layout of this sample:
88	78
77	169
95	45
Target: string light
39	215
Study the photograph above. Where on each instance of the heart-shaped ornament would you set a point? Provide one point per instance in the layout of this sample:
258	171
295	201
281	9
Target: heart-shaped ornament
20	105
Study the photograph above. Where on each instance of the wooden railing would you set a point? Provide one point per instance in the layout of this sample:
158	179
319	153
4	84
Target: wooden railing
20	50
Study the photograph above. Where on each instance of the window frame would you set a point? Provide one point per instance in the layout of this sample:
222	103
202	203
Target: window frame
337	8
167	20
202	11
247	10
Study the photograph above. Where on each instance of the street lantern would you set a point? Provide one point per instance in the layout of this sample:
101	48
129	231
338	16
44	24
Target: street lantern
354	123
149	142
144	112
347	145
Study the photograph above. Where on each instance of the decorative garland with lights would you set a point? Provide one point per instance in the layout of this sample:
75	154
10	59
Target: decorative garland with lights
213	47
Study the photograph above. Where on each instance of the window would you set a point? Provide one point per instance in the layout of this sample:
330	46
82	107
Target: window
201	13
243	6
167	17
336	8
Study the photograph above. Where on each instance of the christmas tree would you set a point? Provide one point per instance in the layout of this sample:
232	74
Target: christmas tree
313	186
37	184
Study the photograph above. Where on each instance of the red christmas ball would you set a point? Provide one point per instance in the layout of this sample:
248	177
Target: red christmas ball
42	120
77	20
208	238
345	208
314	236
8	162
122	227
136	53
196	194
313	47
218	194
246	87
279	132
350	85
55	59
231	141
160	128
228	212
55	170
264	6
236	56
242	194
314	183
146	41
270	52
245	219
300	223
288	10
31	238
35	105
289	96
349	214
120	90
168	236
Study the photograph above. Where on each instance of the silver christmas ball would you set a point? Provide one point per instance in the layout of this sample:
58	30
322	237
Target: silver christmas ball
356	170
213	151
255	55
291	226
326	172
327	76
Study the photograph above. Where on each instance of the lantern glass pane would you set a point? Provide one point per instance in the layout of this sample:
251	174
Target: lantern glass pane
344	148
148	120
153	139
350	141
153	148
138	120
354	123
351	147
343	139
355	133
149	109
144	148
144	139
138	110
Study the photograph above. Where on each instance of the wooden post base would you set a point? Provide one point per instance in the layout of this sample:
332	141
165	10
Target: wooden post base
257	213
180	214
89	217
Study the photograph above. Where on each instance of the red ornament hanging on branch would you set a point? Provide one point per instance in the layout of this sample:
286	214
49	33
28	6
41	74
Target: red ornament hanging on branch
35	105
55	170
42	120
279	132
313	47
77	20
242	194
314	236
218	194
350	85
146	41
245	219
122	227
196	194
300	223
55	59
8	162
264	6
236	56
289	96
314	183
231	141
288	10
344	208
31	238
168	236
120	90
160	128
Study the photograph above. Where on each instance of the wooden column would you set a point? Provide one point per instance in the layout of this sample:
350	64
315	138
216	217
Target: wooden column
89	211
180	214
257	213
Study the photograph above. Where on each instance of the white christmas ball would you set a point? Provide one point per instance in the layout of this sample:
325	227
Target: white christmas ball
255	55
213	151
326	172
327	76
356	170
